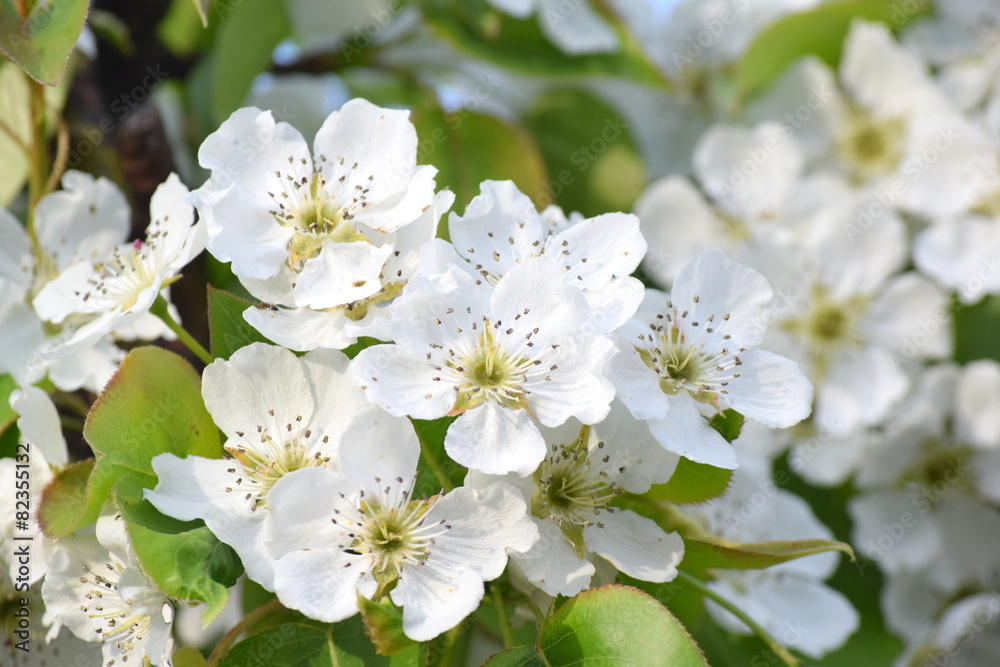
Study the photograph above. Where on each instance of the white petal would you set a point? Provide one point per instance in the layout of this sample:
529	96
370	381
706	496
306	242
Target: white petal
195	488
341	273
258	379
552	564
891	529
576	388
636	546
495	440
637	385
613	304
382	143
685	432
723	287
678	224
16	262
300	329
860	388
978	404
911	317
320	583
599	249
401	384
771	389
39	423
301	506
962	255
498	213
748	172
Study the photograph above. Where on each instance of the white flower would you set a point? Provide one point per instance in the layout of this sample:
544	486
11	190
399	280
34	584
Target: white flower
931	483
751	180
337	536
789	600
96	588
315	230
494	356
691	351
279	413
572	26
339	326
887	126
115	290
79	223
570	499
501	229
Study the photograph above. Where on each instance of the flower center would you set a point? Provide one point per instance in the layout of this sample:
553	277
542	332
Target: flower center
271	459
306	207
869	146
487	371
571	491
829	325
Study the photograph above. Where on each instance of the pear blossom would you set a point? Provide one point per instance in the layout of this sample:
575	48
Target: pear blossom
752	182
494	356
279	413
789	600
96	588
115	290
359	531
501	228
570	497
931	483
305	328
691	351
79	223
887	126
312	230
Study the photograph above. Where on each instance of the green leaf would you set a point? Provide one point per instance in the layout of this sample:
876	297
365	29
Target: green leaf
710	552
820	32
228	331
975	330
184	559
64	500
468	148
692	483
520	45
189	657
433	459
593	162
7	414
611	625
305	643
522	656
151	405
247	35
384	625
728	424
41	42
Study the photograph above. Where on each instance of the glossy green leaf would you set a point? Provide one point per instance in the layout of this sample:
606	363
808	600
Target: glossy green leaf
468	148
189	657
248	32
41	42
692	483
611	625
593	162
434	462
819	32
384	625
728	424
520	46
711	552
227	330
64	500
7	414
151	405
309	644
184	559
